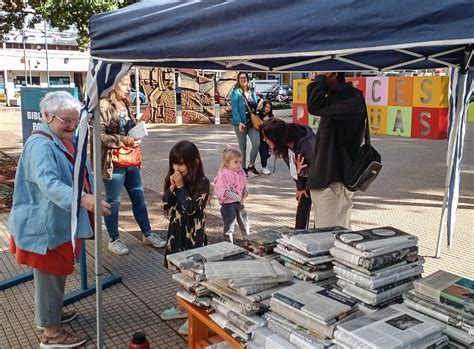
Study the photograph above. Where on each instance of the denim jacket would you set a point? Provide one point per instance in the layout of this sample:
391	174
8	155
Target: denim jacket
239	110
40	219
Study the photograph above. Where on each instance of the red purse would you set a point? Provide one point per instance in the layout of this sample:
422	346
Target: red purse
126	156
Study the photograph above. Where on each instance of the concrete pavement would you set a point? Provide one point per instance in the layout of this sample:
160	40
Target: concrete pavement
407	195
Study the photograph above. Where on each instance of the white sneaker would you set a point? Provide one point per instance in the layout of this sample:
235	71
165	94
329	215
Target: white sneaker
118	247
266	171
154	240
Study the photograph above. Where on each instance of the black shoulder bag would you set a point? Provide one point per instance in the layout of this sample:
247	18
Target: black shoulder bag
367	164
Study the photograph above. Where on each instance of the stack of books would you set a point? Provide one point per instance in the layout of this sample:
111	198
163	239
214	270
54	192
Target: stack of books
375	266
448	298
316	309
241	291
264	242
190	265
306	253
393	327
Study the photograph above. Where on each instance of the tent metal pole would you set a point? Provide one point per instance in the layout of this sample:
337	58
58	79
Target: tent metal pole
98	223
137	91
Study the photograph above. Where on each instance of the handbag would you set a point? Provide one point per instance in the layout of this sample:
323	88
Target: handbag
126	156
367	165
254	119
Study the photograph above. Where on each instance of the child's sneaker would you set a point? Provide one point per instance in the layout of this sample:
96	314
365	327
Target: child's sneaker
173	313
183	329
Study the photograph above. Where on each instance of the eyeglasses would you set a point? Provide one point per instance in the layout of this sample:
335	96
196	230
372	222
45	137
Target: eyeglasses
67	121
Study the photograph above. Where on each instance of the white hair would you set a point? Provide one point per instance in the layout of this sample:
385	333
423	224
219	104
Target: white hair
54	102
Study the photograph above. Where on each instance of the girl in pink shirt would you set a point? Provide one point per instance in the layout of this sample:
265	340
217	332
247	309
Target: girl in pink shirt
231	191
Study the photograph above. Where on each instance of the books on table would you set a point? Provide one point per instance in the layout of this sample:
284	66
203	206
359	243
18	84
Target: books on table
396	326
450	289
375	238
318	303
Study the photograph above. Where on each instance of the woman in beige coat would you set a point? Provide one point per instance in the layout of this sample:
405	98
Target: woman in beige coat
115	122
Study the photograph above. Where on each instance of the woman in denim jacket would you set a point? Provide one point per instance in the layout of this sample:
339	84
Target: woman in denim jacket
40	220
242	95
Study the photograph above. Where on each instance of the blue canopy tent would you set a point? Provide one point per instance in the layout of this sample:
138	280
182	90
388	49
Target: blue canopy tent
284	36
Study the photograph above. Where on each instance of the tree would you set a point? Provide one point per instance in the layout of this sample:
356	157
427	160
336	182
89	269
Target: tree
61	14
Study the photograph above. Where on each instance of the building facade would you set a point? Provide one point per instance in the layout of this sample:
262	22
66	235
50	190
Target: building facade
29	56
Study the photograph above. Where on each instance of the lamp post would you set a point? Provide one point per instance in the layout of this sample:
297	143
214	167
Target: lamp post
24	55
46	48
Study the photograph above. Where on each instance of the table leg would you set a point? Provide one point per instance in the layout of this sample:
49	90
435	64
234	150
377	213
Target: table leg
197	331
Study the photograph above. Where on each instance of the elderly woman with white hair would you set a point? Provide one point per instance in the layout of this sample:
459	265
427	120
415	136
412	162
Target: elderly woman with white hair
40	220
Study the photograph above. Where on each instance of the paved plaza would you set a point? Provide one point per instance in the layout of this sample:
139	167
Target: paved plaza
407	195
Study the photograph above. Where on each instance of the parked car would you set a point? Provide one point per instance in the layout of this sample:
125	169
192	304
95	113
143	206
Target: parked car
280	93
133	96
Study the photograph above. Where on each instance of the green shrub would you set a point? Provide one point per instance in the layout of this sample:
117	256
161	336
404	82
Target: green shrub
278	106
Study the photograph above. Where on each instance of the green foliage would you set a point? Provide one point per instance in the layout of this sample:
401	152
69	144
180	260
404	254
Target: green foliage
280	105
61	14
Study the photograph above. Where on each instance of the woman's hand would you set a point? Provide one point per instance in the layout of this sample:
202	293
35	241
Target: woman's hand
299	195
177	179
242	127
266	118
88	202
299	162
128	141
137	142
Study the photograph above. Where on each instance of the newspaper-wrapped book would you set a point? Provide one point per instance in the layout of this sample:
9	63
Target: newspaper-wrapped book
293	333
248	290
224	323
450	289
308	267
300	273
202	301
377	262
460	336
336	255
299	258
374	238
245	323
374	252
394	327
318	303
375	297
455	317
310	244
195	258
298	317
260	271
380	279
449	321
263	338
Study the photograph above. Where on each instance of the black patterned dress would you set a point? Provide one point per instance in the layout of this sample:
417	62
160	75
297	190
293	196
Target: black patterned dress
186	214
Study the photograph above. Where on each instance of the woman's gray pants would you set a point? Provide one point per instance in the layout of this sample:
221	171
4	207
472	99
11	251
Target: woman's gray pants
254	136
49	293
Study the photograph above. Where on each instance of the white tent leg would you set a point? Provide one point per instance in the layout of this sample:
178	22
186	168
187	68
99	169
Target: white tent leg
98	223
443	218
137	91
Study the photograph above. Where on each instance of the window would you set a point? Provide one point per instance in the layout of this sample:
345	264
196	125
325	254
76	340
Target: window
59	81
20	81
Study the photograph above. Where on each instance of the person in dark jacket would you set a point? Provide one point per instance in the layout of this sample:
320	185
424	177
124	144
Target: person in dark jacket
265	114
342	110
295	144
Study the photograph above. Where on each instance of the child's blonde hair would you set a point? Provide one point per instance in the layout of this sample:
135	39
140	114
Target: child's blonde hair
228	154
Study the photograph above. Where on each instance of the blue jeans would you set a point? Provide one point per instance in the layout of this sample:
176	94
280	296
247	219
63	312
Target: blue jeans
254	136
131	179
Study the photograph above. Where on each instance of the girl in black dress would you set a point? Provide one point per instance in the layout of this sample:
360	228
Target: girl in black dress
186	192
